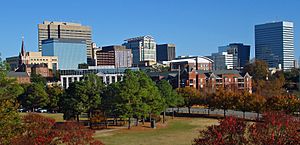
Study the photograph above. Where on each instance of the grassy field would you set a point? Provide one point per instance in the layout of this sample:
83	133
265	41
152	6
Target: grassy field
180	131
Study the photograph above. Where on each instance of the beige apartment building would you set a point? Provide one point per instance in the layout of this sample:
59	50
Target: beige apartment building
66	30
32	58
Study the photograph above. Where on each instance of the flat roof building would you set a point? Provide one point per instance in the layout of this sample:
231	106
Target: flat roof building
274	43
66	30
70	52
143	49
165	52
115	55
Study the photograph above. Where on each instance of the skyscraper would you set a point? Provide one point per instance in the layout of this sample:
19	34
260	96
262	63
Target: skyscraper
222	61
70	52
67	30
143	49
274	43
165	52
240	54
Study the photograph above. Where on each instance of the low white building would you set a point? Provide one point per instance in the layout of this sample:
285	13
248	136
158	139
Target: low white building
108	75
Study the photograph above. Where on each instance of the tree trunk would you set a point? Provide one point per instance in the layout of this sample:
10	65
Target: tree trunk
137	122
150	119
224	113
189	108
77	116
244	114
164	116
257	117
173	113
143	120
208	111
129	122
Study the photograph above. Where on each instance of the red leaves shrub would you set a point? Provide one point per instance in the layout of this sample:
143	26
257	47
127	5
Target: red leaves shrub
230	131
75	133
277	128
39	130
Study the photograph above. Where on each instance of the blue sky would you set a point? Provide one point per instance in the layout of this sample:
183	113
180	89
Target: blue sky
197	27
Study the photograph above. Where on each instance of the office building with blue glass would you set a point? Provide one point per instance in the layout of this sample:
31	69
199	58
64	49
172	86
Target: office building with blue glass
240	54
274	43
70	52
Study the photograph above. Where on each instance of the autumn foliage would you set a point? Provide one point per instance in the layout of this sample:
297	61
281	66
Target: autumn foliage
276	128
41	130
230	131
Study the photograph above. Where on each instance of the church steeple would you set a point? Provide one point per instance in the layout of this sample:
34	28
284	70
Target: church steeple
23	53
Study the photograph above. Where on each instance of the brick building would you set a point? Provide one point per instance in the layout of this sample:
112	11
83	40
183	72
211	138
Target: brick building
210	81
21	77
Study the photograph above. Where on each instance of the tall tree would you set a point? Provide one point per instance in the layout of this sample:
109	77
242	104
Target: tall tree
54	93
190	96
258	70
74	101
129	89
10	122
94	87
171	98
34	97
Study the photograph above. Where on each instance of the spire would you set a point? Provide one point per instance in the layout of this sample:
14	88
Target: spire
22	47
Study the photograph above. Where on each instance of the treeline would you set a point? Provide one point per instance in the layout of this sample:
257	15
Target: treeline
137	96
239	101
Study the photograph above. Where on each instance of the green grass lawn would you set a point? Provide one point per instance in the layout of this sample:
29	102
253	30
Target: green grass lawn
180	131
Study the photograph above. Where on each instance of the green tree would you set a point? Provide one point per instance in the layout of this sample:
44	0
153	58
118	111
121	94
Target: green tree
94	87
10	122
74	101
131	101
190	95
54	93
171	98
34	97
37	78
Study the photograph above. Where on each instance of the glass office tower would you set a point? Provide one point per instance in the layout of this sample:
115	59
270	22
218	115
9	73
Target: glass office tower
274	43
70	52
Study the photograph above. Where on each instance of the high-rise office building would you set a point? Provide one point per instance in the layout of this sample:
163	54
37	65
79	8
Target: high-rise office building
222	61
143	49
165	52
70	52
240	54
274	43
116	56
66	30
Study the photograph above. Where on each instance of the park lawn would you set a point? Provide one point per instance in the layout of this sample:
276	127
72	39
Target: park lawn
58	116
179	131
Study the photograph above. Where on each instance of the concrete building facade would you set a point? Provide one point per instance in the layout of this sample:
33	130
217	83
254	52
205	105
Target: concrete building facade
222	61
108	75
66	30
117	56
143	49
239	52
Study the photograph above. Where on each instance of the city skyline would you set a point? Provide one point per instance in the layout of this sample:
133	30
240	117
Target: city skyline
197	28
